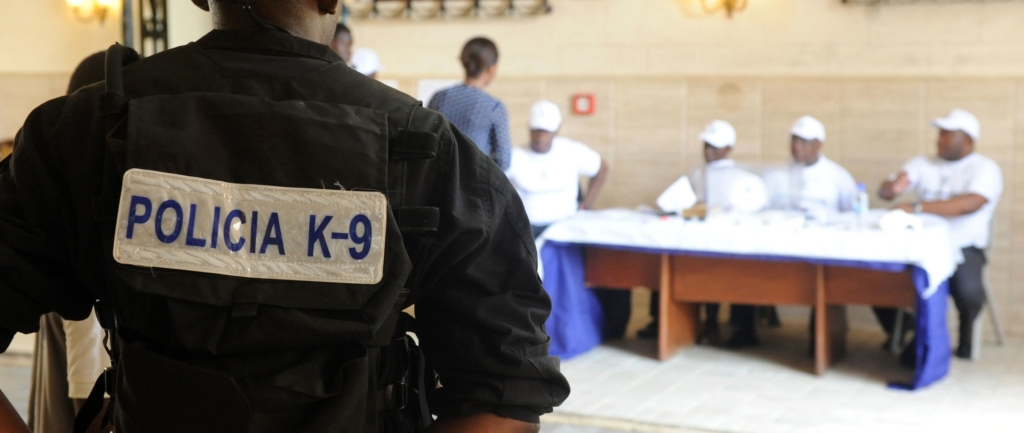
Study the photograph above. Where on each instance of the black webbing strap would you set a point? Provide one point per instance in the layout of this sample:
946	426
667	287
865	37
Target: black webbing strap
93	405
421	388
415	145
113	104
106	383
418	219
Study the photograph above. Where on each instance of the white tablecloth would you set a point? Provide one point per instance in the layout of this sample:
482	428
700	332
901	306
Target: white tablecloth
843	238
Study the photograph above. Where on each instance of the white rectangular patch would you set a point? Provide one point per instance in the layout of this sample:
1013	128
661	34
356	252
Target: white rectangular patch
253	231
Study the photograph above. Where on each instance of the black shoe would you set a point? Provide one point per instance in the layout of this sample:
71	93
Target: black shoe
650	332
908	358
909	326
711	335
964	351
742	339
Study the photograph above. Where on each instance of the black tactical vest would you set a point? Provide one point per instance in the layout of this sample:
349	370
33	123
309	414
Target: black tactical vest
209	351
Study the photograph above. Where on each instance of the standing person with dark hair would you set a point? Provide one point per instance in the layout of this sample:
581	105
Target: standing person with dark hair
342	42
480	116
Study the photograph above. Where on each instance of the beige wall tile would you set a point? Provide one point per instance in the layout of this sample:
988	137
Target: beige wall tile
992	101
518	94
595	130
785	101
650	104
881	119
735	101
21	93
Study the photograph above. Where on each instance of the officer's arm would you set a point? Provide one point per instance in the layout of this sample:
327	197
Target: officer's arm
36	224
482	423
10	421
481	320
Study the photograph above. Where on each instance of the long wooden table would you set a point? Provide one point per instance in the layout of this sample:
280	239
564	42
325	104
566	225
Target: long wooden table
683	282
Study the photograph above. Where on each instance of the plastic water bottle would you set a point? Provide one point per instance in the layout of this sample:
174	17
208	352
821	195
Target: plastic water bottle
862	205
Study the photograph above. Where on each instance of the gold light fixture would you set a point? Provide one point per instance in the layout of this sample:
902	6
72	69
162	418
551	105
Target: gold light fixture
729	6
87	10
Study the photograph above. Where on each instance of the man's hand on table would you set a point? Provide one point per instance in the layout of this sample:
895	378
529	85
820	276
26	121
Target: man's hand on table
956	206
895	187
482	423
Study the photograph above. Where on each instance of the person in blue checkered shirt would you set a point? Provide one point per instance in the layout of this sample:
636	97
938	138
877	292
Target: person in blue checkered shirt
479	116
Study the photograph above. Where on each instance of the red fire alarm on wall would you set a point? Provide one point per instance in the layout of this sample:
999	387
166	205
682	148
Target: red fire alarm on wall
583	104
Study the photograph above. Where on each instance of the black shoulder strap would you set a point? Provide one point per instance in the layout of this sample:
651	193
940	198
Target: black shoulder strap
113	109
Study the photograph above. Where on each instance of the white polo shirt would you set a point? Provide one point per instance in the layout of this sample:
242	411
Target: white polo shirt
548	183
706	175
828	186
935	179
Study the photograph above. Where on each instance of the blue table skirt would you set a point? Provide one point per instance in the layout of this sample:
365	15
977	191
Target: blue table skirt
576	316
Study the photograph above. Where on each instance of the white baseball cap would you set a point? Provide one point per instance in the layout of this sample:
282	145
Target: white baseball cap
959	120
719	134
366	61
545	116
808	128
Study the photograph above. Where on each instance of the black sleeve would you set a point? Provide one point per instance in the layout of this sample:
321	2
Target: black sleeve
481	318
35	214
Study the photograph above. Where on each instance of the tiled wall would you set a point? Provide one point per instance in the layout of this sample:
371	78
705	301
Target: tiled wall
647	129
20	93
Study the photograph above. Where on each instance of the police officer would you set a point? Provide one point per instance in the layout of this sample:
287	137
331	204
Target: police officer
252	214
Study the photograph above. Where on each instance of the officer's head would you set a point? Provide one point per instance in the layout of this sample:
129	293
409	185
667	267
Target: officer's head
314	20
89	71
342	42
480	60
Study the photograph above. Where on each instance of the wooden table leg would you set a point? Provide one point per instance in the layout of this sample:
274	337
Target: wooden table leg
678	322
829	328
821	342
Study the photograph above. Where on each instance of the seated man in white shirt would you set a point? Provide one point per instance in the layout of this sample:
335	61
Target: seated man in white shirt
964	187
719	139
825	187
547	178
546	175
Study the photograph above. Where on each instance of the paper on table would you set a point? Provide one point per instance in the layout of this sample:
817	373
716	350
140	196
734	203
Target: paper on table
678	196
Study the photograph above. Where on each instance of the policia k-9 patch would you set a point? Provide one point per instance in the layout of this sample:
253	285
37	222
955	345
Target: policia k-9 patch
192	224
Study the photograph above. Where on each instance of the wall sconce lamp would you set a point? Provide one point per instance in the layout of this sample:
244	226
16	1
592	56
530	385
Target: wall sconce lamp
86	10
730	6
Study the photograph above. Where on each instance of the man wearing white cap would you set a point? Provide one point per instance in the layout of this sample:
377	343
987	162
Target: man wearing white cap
825	187
366	62
547	178
964	187
546	175
719	138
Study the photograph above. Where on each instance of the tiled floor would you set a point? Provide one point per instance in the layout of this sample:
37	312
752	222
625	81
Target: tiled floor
15	375
772	389
621	388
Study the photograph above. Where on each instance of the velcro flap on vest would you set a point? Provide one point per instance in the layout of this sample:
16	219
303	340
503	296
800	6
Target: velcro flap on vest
415	145
252	231
418	219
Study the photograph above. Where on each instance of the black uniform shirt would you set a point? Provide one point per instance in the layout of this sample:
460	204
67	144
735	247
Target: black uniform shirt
480	305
